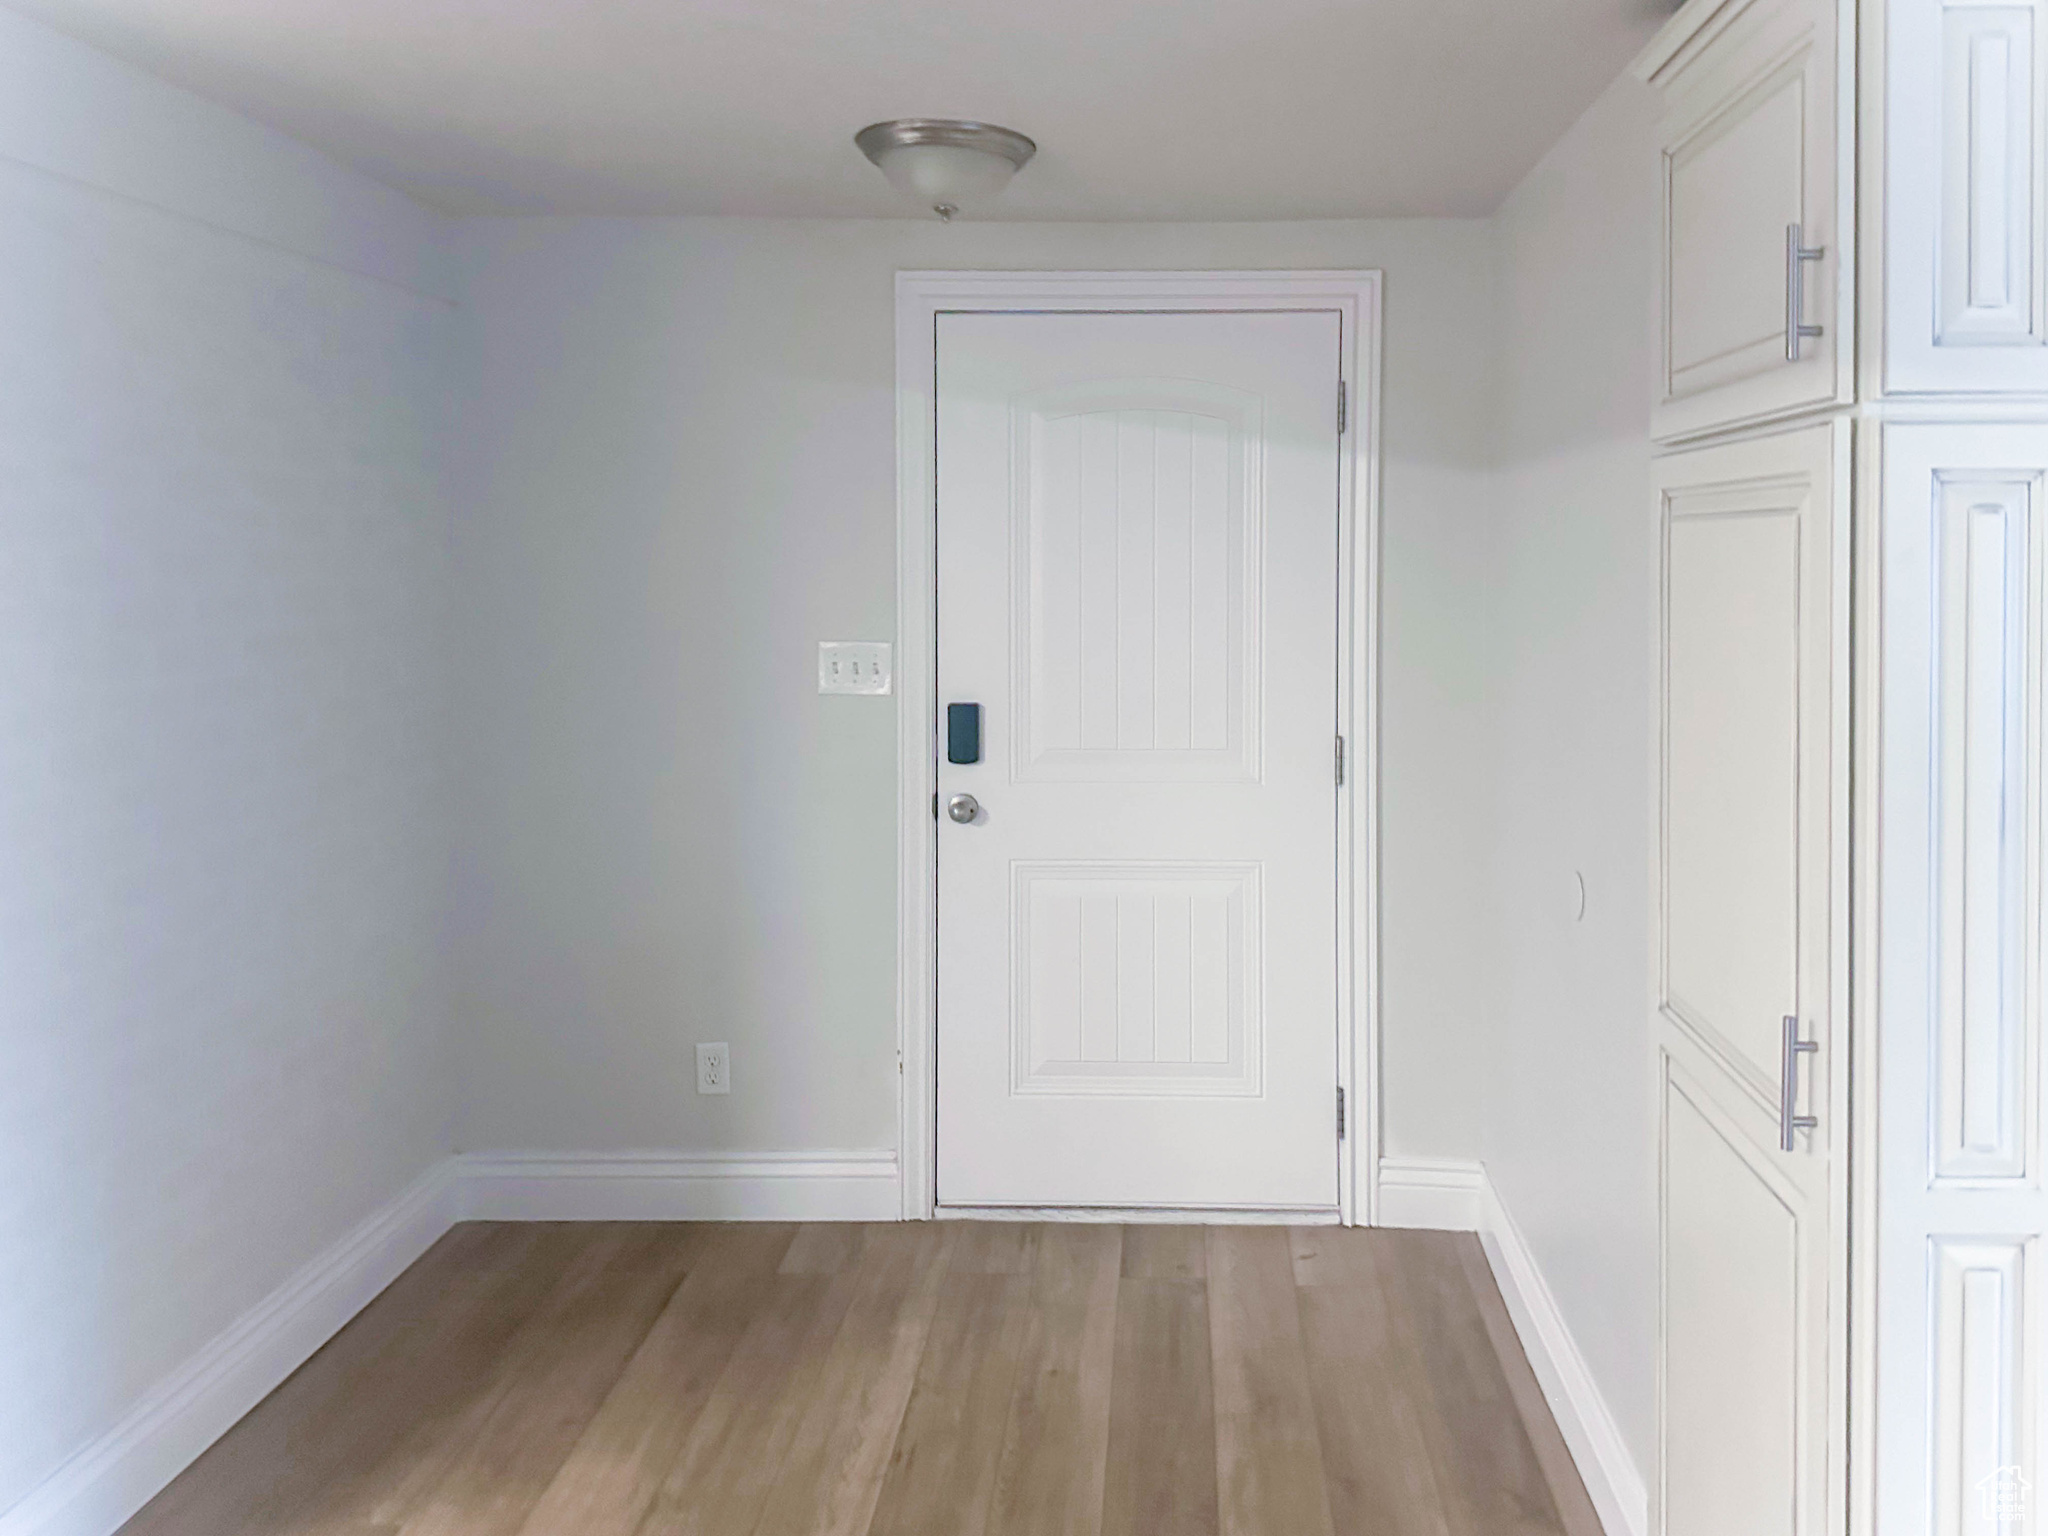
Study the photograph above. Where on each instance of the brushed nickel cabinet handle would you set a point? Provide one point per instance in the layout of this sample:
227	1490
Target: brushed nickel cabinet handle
1796	252
1790	1123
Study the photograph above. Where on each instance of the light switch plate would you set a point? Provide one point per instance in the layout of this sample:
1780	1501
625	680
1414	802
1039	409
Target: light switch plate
853	666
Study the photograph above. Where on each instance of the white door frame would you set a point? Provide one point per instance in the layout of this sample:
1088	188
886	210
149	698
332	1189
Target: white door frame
921	297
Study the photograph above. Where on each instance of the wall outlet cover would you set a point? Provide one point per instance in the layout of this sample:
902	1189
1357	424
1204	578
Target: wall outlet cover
853	666
714	1067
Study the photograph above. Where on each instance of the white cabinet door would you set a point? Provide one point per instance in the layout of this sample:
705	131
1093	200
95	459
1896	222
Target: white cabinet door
1961	1214
1137	556
1751	901
1966	196
1751	177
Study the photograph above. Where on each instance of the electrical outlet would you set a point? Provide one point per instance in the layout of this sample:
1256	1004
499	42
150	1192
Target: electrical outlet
714	1067
853	666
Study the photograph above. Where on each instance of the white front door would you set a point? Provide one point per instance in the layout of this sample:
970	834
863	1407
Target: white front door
1751	901
1138	586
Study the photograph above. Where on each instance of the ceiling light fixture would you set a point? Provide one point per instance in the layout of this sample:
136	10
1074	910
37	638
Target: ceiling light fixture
943	163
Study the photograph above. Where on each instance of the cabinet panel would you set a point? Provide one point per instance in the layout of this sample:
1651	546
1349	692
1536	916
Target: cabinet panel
1751	898
1966	142
1750	146
1742	1314
1732	675
1961	1211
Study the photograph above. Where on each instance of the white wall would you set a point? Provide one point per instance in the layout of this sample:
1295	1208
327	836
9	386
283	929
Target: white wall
683	455
1569	1135
222	764
251	705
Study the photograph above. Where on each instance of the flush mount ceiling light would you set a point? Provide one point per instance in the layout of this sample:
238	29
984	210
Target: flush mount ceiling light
943	163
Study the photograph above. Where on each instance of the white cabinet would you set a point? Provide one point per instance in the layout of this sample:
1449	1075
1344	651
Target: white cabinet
1961	1211
1754	317
1944	1379
1966	197
1750	961
1953	808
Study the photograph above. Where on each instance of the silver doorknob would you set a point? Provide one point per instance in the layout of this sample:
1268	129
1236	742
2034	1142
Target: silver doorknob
963	808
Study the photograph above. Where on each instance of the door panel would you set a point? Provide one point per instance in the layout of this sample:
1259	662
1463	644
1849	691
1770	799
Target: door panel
1137	935
1137	979
1752	881
1138	541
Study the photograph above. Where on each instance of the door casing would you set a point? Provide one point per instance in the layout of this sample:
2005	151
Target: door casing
920	298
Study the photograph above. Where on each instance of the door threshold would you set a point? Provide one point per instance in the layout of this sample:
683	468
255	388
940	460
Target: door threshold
1129	1215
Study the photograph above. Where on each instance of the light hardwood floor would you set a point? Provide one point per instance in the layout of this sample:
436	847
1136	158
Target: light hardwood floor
927	1379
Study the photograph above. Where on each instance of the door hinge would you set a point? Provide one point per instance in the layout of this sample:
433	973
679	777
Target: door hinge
1343	407
1340	762
1340	1114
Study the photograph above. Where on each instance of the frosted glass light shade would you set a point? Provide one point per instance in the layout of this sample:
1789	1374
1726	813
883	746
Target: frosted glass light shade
945	165
943	175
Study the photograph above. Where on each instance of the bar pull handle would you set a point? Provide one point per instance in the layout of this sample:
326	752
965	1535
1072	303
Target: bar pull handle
1797	252
1790	1123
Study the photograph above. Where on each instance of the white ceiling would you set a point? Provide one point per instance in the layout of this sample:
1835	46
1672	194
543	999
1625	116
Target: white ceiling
1143	109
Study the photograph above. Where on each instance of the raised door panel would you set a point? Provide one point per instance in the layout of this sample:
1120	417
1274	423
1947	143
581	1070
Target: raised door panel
1737	172
1748	709
1138	555
1732	677
1749	143
1137	981
1749	922
1987	615
1966	196
1983	1321
1743	1291
1962	1214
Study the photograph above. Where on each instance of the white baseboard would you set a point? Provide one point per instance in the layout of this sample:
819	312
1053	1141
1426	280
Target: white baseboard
1612	1479
1458	1196
105	1483
1436	1192
668	1186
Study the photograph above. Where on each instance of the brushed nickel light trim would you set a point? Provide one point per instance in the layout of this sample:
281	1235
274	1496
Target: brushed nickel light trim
878	139
988	138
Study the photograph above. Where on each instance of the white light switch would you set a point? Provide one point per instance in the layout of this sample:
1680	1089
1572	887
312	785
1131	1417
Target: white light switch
853	666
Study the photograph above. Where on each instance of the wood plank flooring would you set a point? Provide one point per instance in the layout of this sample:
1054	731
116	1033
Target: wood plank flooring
924	1379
